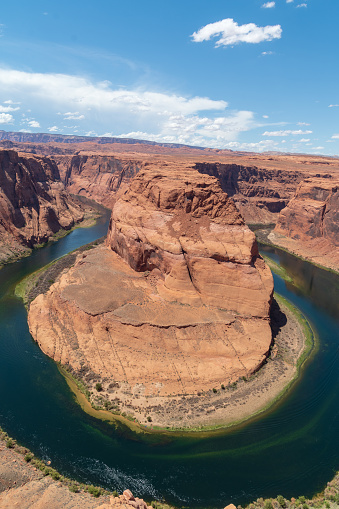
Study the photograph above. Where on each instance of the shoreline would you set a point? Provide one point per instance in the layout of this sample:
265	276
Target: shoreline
216	409
93	211
227	408
262	236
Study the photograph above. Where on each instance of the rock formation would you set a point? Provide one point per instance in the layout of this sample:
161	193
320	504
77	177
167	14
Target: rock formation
309	225
187	312
259	193
34	204
97	176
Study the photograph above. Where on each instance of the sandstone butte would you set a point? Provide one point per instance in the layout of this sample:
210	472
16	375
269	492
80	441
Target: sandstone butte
34	203
177	301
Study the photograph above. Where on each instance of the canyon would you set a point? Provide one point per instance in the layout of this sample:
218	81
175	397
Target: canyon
179	284
264	187
34	204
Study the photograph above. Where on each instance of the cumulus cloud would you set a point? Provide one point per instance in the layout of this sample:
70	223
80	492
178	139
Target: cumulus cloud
33	123
268	5
53	129
6	118
5	109
60	89
335	137
73	116
304	140
9	101
333	105
231	33
305	5
285	133
267	53
104	109
303	123
289	1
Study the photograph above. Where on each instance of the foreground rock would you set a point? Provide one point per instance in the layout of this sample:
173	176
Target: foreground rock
309	225
187	312
34	204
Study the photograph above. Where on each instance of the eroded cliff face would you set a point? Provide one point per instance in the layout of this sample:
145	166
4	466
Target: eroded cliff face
178	301
259	193
97	176
309	225
33	202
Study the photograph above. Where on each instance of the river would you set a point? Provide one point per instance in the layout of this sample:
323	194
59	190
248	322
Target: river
292	450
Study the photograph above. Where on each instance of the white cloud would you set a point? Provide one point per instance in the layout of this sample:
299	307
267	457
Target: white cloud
335	137
60	89
157	115
53	129
333	105
6	118
231	33
73	116
5	109
304	140
303	123
265	116
267	53
305	5
33	123
268	5
9	101
200	131
289	1
285	133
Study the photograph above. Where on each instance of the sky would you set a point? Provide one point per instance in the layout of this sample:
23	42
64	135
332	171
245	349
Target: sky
249	75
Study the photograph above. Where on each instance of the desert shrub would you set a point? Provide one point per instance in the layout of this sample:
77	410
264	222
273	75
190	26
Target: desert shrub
73	488
28	457
149	418
281	501
98	386
10	443
268	505
94	491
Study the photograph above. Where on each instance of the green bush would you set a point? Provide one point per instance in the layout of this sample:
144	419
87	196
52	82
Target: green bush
28	457
149	418
73	488
268	505
94	491
281	501
98	386
10	444
214	390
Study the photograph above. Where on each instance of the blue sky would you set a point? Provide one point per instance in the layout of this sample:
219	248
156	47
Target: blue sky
240	74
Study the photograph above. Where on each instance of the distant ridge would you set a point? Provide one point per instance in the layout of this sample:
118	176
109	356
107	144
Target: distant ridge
65	138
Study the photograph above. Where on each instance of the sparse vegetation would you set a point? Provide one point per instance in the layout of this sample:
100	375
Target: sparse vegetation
98	386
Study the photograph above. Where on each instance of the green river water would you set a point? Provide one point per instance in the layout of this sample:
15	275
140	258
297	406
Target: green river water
292	450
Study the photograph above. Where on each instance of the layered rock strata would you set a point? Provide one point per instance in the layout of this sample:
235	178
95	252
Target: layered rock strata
309	225
97	176
259	193
34	204
177	302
